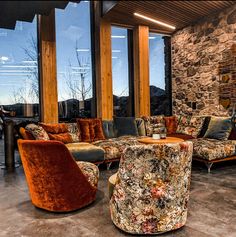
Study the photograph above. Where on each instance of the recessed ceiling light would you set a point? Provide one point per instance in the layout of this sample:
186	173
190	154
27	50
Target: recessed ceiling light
118	37
155	21
116	51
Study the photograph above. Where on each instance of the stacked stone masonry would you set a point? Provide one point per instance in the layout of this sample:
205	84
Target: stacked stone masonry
198	54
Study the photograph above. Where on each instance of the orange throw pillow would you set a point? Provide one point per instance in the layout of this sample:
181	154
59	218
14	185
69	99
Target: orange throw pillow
171	124
84	130
57	131
61	137
91	129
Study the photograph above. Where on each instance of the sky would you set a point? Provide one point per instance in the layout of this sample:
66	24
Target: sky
73	39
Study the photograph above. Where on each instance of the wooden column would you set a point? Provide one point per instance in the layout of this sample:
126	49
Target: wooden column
103	64
48	69
141	71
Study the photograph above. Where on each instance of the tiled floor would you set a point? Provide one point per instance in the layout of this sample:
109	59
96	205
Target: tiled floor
212	208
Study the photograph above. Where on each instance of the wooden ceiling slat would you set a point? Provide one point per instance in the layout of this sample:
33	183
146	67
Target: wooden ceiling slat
177	13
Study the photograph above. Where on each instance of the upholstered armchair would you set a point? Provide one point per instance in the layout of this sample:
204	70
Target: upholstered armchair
152	188
56	182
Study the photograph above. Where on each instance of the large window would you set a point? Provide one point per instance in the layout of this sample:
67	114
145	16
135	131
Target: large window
158	92
19	91
74	72
122	99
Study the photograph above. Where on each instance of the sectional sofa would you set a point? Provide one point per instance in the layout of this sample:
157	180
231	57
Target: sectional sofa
214	138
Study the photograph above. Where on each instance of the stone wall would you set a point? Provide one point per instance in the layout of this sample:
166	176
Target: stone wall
197	53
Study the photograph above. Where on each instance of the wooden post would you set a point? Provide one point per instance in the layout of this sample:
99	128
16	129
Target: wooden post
48	69
141	71
103	64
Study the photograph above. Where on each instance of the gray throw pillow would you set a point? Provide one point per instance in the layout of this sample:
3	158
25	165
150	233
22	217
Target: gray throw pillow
219	128
125	126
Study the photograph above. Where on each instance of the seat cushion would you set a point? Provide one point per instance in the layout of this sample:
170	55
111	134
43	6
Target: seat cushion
83	151
90	171
212	149
114	147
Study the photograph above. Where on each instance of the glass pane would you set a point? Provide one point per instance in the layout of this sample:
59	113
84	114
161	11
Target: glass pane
19	91
157	75
74	72
120	72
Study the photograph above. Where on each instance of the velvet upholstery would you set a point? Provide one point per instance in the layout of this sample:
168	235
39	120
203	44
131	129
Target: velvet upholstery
171	124
26	134
55	181
91	129
61	137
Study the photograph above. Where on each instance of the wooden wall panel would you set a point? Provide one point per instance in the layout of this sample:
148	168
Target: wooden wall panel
141	71
48	72
103	65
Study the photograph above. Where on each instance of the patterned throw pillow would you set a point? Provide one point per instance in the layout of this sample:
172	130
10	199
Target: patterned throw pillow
190	125
154	124
74	132
219	128
37	131
58	132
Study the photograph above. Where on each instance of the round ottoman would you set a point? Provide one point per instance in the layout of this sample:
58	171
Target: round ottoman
111	184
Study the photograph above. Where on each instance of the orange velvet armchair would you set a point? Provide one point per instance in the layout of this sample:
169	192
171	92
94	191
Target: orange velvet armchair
56	181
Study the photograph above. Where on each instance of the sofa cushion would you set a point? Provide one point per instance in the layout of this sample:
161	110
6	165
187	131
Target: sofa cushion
37	131
74	132
212	149
140	126
125	126
190	125
54	128
204	126
171	124
83	151
219	128
58	132
154	124
61	137
108	129
114	147
232	135
91	129
26	135
182	136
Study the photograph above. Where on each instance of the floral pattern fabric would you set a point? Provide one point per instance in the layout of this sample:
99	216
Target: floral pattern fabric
212	149
90	171
190	125
152	188
74	132
114	147
37	131
154	124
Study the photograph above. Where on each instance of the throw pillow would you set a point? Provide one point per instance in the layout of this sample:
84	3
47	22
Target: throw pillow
126	126
141	126
54	128
108	128
219	128
154	124
91	129
84	129
57	131
61	137
37	131
74	132
171	124
190	125
26	135
232	135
